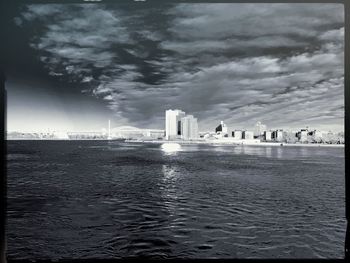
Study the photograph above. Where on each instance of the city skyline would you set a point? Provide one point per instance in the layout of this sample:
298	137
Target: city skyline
68	73
178	124
228	128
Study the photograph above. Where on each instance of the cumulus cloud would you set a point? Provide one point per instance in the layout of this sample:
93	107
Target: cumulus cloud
278	63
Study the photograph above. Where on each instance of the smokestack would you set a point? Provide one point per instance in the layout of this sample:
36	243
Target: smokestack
109	129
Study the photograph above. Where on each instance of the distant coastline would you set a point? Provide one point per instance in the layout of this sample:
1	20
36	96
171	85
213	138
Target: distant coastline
206	142
240	143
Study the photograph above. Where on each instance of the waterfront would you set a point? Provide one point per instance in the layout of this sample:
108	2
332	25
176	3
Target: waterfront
103	199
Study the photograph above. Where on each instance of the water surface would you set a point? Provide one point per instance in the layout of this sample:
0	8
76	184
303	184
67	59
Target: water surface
100	199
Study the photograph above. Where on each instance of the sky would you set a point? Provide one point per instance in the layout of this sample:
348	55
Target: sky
73	67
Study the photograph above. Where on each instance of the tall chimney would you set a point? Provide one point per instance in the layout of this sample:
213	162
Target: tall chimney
109	129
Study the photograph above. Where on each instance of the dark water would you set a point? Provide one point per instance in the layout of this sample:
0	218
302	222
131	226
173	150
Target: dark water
83	199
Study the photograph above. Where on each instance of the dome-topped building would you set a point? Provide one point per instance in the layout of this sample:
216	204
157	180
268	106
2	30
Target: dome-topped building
222	129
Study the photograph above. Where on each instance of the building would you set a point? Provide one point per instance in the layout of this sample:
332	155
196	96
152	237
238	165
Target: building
173	124
85	135
267	136
61	135
248	135
237	134
302	135
222	129
207	134
277	135
126	132
154	134
259	129
316	135
189	128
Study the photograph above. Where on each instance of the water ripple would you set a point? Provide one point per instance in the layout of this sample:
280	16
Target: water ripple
114	200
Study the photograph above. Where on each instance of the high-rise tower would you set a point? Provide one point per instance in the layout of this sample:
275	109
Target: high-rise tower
189	128
173	124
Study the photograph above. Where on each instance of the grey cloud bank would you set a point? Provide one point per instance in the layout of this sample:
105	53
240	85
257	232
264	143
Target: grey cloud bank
281	64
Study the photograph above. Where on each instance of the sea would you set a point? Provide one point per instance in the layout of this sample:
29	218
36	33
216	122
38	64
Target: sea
109	199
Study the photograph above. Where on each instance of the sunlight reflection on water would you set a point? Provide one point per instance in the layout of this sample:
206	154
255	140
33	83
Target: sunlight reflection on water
171	148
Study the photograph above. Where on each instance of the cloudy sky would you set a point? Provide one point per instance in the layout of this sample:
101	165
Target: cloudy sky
76	66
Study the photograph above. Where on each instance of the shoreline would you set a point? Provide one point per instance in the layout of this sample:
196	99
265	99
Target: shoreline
213	143
263	144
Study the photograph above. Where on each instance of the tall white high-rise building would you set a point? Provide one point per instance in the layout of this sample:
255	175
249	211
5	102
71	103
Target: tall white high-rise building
189	128
173	124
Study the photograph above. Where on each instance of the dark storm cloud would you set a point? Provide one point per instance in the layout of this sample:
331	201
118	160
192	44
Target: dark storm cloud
279	63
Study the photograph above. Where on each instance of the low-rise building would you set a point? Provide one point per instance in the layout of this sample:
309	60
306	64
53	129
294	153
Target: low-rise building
316	135
247	135
237	134
302	135
277	135
267	135
259	129
222	129
155	134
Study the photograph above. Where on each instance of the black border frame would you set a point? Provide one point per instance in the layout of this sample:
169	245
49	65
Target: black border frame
3	105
